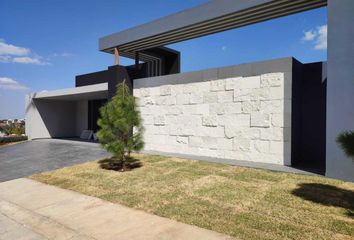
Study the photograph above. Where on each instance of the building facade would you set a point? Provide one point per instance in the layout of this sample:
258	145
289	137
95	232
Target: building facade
278	111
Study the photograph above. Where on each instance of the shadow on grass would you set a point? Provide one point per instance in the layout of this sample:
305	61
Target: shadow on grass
115	165
327	195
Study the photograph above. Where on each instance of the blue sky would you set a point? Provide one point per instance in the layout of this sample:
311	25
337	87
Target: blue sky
45	43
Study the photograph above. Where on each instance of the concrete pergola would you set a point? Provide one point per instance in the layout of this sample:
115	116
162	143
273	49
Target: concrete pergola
212	17
220	15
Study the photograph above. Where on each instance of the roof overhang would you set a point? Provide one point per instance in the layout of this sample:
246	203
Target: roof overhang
90	92
212	17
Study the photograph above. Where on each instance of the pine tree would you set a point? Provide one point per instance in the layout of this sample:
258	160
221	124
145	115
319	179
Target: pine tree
346	142
121	126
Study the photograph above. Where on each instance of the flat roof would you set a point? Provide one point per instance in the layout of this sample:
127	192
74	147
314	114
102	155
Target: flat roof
89	92
211	17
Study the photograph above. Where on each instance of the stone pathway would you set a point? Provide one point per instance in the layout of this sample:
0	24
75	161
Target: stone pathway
30	210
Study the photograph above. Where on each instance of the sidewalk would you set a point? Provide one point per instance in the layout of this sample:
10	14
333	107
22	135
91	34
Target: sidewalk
33	210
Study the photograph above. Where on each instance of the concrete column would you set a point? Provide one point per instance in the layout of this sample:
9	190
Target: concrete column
340	85
81	116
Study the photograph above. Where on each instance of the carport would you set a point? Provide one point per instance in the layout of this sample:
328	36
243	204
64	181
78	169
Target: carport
64	113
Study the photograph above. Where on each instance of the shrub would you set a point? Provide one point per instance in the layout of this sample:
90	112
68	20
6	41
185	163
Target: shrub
119	117
346	141
10	139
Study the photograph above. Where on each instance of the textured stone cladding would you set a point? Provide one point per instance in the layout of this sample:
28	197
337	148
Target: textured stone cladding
241	118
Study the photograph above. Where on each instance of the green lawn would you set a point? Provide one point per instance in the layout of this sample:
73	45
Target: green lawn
242	202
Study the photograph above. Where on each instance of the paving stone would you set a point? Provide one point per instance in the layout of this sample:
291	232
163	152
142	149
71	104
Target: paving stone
27	158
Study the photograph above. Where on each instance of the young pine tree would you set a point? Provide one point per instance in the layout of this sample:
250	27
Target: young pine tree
118	119
346	142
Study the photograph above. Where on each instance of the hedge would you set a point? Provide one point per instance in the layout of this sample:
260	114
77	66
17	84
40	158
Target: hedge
12	139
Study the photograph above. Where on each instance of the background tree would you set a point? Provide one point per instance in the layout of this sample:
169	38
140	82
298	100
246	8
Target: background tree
13	128
119	117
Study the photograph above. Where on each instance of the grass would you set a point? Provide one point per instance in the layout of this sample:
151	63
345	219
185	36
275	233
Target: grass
242	202
11	143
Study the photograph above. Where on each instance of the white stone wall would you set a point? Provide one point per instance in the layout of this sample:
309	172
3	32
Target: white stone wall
241	118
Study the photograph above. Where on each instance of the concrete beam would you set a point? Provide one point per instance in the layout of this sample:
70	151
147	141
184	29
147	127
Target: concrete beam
96	91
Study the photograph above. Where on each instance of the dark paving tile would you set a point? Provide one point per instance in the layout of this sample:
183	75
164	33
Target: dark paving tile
31	157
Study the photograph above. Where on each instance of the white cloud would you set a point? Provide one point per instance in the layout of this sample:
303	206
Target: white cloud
29	60
13	54
5	59
321	42
309	35
10	84
9	49
64	54
318	37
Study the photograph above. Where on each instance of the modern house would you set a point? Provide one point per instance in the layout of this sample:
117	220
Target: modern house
278	111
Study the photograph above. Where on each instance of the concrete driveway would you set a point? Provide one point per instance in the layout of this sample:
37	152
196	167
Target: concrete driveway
24	159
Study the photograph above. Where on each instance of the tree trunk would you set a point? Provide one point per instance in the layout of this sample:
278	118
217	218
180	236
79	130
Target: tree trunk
123	161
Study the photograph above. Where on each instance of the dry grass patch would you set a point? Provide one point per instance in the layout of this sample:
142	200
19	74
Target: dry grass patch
242	202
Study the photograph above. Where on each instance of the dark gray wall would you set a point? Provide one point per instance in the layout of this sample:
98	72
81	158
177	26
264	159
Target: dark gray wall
245	70
340	85
113	75
118	74
91	78
309	117
94	113
167	62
